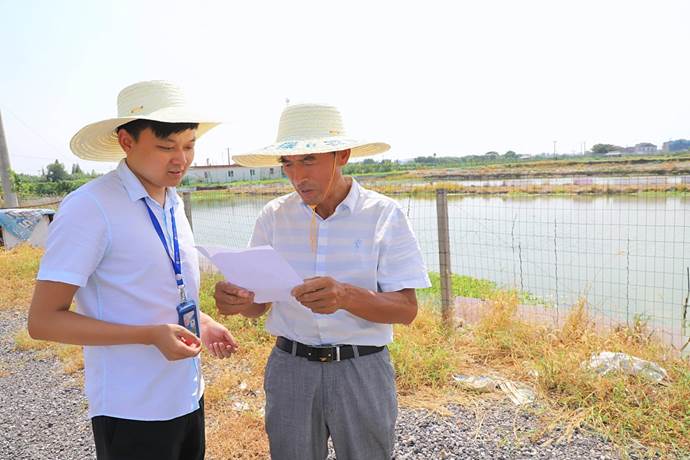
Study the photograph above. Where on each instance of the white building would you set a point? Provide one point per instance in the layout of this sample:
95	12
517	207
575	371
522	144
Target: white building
231	173
646	147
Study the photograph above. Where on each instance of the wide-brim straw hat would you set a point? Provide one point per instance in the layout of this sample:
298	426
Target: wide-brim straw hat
307	129
155	100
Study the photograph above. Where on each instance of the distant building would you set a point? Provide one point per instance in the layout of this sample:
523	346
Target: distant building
641	148
676	146
231	173
645	147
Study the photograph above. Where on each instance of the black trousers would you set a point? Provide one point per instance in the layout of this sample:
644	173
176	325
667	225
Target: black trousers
182	438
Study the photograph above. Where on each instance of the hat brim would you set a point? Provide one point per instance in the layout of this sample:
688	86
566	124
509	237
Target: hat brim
98	141
270	155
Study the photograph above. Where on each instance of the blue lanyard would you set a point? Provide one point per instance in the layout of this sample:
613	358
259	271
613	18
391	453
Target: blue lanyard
176	264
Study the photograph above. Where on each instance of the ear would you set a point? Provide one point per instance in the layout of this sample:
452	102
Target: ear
125	140
343	157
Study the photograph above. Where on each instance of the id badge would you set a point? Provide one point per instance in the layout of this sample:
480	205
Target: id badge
187	317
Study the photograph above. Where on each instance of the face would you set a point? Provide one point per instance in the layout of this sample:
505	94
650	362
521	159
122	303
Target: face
310	175
157	162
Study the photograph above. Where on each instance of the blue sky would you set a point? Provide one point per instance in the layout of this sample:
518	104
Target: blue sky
451	78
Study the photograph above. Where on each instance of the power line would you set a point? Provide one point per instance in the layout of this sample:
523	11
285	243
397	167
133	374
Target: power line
33	131
16	155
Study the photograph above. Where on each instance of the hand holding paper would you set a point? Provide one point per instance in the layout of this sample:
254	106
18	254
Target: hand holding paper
260	270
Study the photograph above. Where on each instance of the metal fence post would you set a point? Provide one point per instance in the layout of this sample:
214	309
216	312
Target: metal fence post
444	256
187	200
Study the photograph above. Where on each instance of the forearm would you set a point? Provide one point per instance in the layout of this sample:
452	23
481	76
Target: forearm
381	307
69	327
205	319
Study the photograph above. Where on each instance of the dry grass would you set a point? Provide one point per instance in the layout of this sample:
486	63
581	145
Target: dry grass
71	356
427	181
415	188
544	168
627	409
18	267
529	189
425	354
234	387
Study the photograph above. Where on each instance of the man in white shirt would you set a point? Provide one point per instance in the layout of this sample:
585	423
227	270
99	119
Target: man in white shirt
122	247
330	373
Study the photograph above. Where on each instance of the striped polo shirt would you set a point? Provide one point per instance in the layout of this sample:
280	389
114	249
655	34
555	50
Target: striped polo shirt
366	242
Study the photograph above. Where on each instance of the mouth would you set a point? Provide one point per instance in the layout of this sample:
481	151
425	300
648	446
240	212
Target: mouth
307	192
175	173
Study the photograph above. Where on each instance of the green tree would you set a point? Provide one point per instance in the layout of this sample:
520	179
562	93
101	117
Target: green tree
56	172
76	170
15	180
601	149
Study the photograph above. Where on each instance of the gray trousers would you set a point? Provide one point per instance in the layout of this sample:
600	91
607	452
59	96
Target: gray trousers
352	401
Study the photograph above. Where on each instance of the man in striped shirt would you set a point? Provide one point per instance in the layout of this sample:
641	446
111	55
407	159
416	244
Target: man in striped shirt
330	373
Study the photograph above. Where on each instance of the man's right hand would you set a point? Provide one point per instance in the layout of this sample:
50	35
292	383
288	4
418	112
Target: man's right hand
175	342
232	299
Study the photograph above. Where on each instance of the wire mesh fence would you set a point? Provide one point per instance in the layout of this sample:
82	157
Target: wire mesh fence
626	254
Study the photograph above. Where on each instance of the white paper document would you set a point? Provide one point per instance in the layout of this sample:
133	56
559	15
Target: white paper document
260	270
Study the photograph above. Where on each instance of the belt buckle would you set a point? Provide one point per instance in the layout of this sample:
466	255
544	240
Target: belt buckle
324	354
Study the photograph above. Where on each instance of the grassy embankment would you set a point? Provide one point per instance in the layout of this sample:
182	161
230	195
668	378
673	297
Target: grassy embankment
427	181
628	410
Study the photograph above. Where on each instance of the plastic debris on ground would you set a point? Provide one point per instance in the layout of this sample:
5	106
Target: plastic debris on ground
607	361
240	406
518	393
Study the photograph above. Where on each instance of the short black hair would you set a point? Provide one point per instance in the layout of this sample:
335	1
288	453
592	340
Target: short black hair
160	129
282	159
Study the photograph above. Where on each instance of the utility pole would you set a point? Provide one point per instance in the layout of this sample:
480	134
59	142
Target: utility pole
228	150
554	148
8	194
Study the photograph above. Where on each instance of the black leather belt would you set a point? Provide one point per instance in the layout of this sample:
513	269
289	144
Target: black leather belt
325	354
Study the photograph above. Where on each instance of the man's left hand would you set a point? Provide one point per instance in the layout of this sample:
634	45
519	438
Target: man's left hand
321	294
217	339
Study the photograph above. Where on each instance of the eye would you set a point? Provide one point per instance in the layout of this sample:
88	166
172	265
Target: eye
165	148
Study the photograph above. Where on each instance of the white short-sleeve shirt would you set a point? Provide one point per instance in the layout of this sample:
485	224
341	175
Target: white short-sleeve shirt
103	241
367	242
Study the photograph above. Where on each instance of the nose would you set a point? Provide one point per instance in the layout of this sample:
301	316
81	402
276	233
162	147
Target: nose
179	155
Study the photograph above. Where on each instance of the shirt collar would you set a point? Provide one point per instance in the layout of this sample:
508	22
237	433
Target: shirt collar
136	190
352	197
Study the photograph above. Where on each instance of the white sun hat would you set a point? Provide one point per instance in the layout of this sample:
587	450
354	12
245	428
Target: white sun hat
155	100
306	129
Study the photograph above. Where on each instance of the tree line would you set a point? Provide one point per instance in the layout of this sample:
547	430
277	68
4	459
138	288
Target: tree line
53	180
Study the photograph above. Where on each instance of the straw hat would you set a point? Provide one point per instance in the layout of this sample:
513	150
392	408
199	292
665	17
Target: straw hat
309	128
156	100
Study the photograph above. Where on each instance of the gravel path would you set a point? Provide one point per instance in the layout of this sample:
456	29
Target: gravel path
42	410
498	433
43	416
